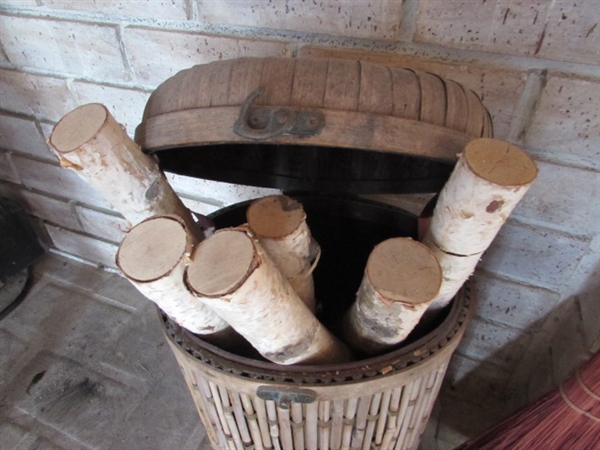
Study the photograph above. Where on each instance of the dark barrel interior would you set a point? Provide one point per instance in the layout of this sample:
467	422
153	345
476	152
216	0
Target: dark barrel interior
308	168
347	229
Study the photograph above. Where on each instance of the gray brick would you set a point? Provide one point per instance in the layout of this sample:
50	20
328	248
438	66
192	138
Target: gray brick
572	33
126	105
539	255
371	20
561	30
565	197
80	403
517	305
167	10
566	120
63	47
22	135
13	436
58	181
106	226
186	50
90	249
6	170
500	344
47	208
13	348
35	95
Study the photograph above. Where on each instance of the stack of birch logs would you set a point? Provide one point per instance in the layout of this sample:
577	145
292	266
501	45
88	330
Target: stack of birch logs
255	280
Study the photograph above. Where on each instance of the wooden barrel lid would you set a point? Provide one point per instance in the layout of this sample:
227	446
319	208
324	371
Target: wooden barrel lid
415	122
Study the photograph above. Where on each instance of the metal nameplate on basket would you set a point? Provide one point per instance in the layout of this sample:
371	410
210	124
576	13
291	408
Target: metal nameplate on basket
285	396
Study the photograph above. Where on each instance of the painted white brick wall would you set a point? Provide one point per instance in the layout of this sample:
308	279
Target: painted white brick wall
534	64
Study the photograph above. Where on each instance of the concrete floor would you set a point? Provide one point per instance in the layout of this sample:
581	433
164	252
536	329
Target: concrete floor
84	364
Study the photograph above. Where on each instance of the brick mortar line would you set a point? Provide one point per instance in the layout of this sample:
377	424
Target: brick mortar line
423	50
75	78
512	280
525	222
527	105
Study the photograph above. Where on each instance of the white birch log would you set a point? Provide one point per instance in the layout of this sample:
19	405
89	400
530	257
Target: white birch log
153	256
90	142
489	179
279	223
401	278
456	269
239	281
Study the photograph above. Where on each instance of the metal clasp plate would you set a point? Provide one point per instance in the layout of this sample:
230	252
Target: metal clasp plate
268	122
285	396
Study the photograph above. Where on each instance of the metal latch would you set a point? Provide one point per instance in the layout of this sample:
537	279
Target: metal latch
268	122
285	396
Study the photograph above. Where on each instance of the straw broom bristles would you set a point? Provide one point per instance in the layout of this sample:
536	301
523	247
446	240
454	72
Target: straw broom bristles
566	418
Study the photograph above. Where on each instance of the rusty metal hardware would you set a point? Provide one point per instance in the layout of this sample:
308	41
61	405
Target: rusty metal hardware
268	122
285	396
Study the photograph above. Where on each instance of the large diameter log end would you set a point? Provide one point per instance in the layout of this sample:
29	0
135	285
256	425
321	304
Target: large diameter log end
153	248
221	264
78	127
499	162
404	270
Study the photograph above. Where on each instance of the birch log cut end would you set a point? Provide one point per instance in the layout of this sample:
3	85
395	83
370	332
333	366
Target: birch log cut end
275	216
221	264
152	249
78	127
404	270
401	278
500	162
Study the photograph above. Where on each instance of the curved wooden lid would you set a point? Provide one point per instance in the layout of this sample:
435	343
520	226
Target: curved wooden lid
404	270
415	122
152	248
221	263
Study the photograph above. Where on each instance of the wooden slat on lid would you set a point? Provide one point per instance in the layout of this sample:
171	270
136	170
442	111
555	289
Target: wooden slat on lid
407	94
476	115
219	83
197	86
277	77
310	79
457	107
245	78
376	93
343	85
488	127
433	99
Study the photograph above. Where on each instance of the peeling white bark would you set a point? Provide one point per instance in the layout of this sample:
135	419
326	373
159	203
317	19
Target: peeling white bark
153	256
279	222
401	278
239	281
489	179
90	142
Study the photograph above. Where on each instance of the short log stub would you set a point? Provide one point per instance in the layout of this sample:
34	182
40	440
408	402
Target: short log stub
401	277
239	281
153	256
279	223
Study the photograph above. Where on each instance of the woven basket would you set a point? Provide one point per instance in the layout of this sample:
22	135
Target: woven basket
200	114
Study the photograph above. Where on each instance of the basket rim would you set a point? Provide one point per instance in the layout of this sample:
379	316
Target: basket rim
388	364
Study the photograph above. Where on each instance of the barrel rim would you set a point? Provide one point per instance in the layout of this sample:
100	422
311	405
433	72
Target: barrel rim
404	358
